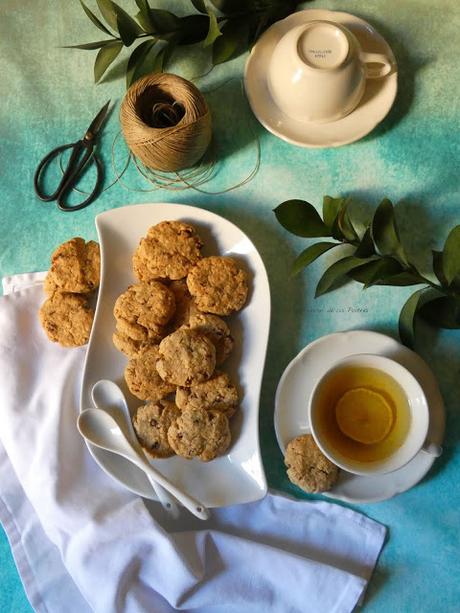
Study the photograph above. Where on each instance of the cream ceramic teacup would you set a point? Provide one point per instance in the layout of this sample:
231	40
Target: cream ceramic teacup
318	71
403	396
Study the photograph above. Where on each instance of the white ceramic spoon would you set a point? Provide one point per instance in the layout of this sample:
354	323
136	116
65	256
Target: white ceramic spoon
102	430
107	395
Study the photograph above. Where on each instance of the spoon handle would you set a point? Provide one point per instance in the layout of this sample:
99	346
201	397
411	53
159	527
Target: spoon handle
166	499
190	503
107	394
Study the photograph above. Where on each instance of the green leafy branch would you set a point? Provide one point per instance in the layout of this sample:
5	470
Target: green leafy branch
227	27
377	257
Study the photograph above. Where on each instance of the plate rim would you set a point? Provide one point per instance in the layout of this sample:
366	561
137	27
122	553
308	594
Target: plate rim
330	14
189	211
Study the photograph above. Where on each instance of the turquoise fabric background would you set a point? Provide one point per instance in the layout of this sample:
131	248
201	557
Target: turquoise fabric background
48	98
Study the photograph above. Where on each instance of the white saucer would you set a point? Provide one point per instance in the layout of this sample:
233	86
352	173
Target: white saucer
374	106
296	386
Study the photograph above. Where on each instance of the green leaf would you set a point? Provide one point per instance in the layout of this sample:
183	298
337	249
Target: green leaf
147	64
331	208
192	29
232	6
438	267
163	57
261	24
407	318
95	20
152	60
227	46
164	22
375	271
301	218
335	273
144	19
387	268
143	6
136	59
442	312
214	30
336	231
91	46
310	254
451	256
402	279
200	6
345	225
108	12
143	16
385	233
128	28
366	246
105	57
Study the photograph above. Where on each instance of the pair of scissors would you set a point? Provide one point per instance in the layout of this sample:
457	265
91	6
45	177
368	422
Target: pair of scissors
82	153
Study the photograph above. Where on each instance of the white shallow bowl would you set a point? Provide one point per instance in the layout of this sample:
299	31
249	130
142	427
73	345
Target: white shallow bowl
298	382
237	477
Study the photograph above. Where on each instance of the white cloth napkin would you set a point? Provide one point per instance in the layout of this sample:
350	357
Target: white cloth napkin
83	542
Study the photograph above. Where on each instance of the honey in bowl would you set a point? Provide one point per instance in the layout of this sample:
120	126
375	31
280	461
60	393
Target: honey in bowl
362	413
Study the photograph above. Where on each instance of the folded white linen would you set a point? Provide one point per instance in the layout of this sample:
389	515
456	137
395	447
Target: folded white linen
79	536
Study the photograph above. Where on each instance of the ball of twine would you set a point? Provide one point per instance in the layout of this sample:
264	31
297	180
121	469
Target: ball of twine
166	122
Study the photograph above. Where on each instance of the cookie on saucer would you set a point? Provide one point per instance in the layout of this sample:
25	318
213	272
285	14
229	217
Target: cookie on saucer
201	434
307	467
218	285
168	251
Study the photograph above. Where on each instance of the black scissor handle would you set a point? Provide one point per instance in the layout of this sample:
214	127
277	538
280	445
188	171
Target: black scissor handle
41	167
75	166
99	176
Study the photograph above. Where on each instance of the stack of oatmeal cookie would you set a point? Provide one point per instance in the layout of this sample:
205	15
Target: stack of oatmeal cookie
170	327
66	315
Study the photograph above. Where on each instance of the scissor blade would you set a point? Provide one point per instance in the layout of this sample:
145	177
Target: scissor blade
98	120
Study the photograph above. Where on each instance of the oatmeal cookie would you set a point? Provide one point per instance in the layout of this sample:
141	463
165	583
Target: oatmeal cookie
218	285
75	267
151	423
184	304
67	319
130	346
216	330
186	357
216	394
308	467
50	286
154	334
142	377
168	251
145	308
199	433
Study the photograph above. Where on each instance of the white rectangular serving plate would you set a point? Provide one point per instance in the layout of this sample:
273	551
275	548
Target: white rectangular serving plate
238	477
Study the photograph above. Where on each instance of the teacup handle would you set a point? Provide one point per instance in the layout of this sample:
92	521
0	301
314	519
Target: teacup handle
376	58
